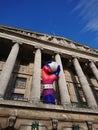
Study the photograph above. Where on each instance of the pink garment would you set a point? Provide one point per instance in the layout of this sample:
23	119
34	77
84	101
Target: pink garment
47	77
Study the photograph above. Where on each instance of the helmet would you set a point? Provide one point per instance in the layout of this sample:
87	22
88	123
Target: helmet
53	65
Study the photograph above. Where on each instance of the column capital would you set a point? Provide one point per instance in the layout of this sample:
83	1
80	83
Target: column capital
16	41
55	52
90	60
73	56
38	47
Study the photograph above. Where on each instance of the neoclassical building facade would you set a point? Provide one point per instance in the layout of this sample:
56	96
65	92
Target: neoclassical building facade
23	53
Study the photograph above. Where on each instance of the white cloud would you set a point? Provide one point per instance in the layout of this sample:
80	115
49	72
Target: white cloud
88	11
92	25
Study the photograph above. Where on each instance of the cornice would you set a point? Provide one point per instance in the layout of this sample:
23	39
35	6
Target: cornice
41	106
61	41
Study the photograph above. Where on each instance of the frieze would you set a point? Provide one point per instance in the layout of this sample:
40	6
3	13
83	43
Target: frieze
61	41
73	45
52	38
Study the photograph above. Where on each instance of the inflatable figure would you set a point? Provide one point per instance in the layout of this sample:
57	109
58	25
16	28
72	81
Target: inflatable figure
50	73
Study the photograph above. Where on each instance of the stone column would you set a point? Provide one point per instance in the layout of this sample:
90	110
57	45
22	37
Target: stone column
85	85
36	82
65	98
94	69
8	68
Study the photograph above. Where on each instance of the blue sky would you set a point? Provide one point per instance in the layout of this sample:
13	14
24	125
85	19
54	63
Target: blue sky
73	19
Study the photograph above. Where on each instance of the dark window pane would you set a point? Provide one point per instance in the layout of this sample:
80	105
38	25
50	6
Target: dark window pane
16	96
20	82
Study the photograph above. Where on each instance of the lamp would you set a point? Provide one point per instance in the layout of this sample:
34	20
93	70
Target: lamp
54	124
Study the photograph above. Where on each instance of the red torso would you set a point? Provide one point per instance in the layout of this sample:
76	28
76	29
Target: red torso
47	77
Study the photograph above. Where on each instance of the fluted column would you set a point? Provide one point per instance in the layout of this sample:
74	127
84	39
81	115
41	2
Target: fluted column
94	69
65	98
85	85
36	82
8	68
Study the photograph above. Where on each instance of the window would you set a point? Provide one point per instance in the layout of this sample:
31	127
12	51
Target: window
16	96
75	127
20	82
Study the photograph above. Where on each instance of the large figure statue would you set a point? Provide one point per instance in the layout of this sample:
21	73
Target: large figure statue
50	73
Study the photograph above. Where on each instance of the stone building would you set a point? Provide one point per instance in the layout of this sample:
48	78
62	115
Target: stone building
22	55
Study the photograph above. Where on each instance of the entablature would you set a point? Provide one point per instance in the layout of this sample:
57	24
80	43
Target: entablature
49	38
52	46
